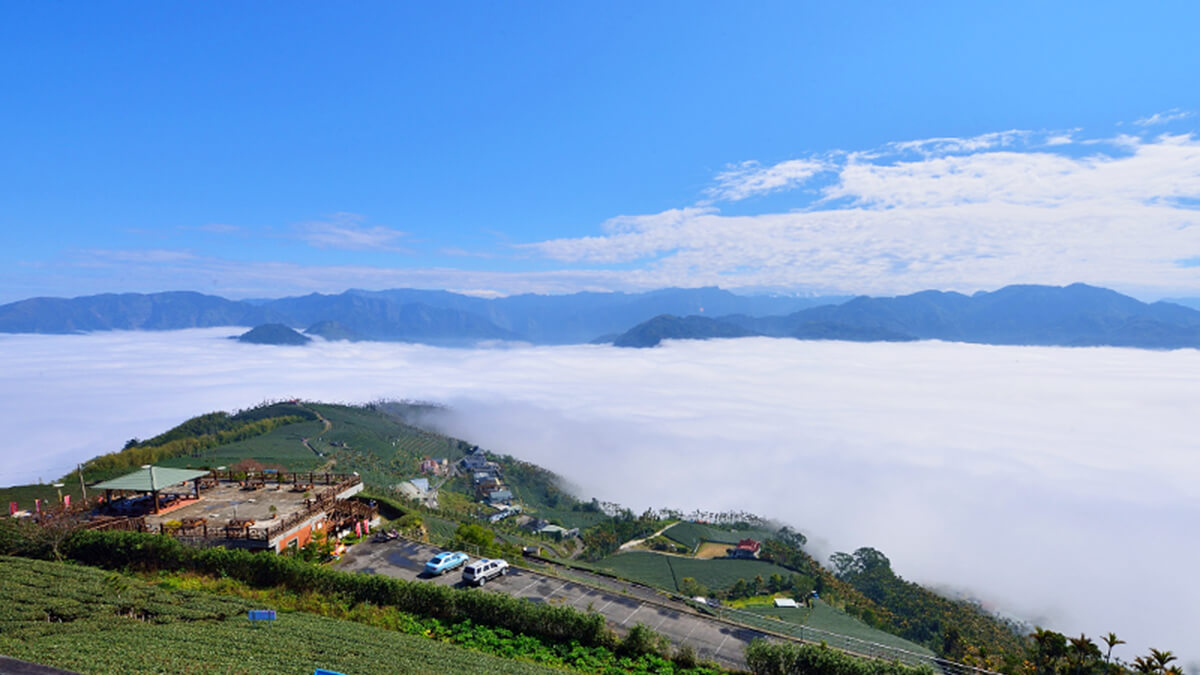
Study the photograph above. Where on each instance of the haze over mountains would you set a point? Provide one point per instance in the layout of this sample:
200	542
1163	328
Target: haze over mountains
1075	315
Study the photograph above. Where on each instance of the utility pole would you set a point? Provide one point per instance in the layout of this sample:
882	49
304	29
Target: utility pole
82	487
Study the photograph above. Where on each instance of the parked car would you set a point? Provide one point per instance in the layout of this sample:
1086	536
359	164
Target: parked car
445	561
484	570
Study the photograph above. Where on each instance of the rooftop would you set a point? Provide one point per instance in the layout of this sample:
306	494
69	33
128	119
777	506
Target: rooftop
150	479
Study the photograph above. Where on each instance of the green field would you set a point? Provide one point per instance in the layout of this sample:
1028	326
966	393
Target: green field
666	571
282	446
568	518
97	622
691	534
825	618
377	446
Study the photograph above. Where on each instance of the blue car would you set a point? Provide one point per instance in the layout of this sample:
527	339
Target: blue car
445	561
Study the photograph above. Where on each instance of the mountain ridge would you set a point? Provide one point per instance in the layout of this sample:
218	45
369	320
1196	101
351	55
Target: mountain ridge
1077	315
1024	314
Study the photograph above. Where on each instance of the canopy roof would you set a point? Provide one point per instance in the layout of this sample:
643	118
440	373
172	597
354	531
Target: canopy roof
150	479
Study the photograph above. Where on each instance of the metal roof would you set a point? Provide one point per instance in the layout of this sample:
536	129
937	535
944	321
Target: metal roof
150	479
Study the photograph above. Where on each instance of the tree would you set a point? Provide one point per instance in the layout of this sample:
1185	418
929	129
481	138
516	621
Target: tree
867	560
843	564
1112	641
473	536
692	588
1082	653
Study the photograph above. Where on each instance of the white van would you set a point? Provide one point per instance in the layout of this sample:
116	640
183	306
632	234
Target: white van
482	571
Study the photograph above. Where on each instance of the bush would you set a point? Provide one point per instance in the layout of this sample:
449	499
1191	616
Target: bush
641	640
775	658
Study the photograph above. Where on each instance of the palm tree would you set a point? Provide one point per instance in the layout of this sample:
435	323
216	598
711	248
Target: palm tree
1144	665
1161	659
1112	641
1082	649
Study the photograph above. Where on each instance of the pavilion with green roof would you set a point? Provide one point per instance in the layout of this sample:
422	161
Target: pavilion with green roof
152	480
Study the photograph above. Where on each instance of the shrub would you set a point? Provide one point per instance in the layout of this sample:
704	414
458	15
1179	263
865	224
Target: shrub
775	658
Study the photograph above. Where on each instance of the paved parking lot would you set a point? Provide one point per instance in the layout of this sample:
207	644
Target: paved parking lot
712	639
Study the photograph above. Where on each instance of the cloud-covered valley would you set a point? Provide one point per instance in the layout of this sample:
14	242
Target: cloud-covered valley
1058	485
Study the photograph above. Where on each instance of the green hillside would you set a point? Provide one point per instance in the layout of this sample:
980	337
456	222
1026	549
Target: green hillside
667	571
691	534
283	447
380	443
825	618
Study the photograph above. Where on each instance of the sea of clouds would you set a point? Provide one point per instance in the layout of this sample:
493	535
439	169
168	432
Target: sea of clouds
1056	485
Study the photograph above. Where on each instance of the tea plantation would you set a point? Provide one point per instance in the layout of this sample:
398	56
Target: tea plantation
98	622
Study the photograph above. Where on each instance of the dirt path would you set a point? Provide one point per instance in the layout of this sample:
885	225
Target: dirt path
637	542
330	463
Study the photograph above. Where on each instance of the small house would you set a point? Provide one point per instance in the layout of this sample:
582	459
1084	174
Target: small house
746	548
500	496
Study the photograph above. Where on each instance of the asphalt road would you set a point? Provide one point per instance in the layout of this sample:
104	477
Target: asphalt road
712	639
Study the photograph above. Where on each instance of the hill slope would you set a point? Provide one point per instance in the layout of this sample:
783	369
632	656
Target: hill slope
667	327
273	334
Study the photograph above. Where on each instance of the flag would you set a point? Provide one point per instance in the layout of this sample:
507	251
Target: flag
358	529
12	508
37	505
66	501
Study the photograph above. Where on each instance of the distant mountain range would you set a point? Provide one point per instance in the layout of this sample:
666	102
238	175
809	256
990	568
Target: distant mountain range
1075	315
410	315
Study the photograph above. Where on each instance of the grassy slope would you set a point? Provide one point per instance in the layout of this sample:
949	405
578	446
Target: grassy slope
691	534
282	446
381	448
195	632
663	571
826	618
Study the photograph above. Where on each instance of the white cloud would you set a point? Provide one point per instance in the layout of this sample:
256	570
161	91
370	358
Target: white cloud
966	214
1033	477
750	178
1165	117
347	231
941	146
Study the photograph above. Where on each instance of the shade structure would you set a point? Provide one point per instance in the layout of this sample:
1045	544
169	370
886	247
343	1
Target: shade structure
150	479
153	479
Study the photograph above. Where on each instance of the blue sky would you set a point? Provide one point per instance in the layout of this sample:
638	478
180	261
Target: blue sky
283	148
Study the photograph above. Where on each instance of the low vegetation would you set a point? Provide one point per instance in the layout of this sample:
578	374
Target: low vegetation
773	658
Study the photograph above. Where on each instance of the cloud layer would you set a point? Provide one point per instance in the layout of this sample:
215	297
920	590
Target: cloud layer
1058	484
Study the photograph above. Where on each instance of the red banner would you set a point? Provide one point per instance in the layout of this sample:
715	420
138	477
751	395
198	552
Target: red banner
12	508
